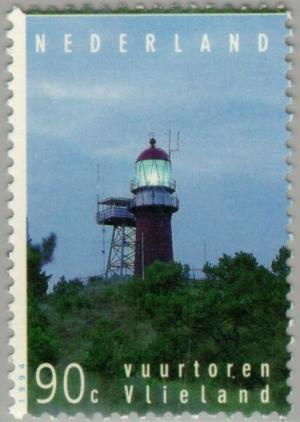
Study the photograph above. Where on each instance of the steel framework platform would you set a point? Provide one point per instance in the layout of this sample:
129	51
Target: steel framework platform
115	212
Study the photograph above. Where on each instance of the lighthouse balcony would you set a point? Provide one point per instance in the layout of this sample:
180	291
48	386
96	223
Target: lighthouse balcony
115	212
155	199
136	184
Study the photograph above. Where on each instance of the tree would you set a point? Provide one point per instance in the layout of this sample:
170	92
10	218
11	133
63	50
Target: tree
39	255
43	345
42	341
279	265
186	271
163	277
243	309
228	267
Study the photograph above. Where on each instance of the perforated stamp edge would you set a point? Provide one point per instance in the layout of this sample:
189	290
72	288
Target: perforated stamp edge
10	119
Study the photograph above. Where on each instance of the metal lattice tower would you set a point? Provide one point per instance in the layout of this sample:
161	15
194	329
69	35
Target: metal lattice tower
115	212
122	252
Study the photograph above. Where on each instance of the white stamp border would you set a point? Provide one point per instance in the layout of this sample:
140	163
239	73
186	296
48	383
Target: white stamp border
18	237
18	220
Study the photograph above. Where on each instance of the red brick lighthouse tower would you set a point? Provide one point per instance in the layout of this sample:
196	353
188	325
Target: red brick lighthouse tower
153	204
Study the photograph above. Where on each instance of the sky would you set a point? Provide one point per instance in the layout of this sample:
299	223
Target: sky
89	109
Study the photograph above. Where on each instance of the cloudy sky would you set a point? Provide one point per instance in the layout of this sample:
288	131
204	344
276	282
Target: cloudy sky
87	109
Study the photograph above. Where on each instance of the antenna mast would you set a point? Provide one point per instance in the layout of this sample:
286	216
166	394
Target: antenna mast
103	248
98	179
170	142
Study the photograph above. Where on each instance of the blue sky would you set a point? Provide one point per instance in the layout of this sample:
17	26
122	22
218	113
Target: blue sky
86	109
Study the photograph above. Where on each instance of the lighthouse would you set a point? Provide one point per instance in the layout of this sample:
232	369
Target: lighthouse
153	204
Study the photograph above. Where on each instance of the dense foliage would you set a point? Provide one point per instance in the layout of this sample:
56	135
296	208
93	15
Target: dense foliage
237	313
38	256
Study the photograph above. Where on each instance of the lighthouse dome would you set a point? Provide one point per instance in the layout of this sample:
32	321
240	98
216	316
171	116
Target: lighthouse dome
153	153
153	169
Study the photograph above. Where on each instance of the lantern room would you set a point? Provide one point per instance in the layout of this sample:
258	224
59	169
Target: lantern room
153	168
153	204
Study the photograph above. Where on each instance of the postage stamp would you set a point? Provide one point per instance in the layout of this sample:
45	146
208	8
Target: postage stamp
150	212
